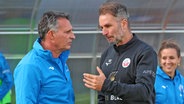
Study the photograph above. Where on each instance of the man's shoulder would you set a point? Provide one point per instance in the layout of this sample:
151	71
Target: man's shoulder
30	58
144	46
110	48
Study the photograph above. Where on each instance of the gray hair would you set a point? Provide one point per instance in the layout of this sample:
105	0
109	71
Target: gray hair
49	22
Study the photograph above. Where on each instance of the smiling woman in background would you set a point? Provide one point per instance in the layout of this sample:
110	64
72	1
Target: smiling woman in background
169	84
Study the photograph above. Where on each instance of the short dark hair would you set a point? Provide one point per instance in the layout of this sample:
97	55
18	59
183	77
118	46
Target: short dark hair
49	22
114	8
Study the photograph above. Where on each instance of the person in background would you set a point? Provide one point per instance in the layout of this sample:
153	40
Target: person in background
43	76
128	66
169	83
6	81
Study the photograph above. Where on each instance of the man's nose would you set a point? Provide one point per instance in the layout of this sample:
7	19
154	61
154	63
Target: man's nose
104	31
73	36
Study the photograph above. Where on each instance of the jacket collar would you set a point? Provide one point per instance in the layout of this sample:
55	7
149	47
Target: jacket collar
161	73
123	47
47	53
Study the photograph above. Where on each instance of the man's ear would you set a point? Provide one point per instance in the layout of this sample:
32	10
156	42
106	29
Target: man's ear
124	23
50	35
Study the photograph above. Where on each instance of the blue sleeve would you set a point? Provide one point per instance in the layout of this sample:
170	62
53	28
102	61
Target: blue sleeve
27	84
6	80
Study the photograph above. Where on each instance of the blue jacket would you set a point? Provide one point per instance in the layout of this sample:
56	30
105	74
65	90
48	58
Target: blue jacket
42	79
169	91
6	79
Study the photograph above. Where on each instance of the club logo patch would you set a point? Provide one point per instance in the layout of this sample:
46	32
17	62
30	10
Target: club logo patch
126	62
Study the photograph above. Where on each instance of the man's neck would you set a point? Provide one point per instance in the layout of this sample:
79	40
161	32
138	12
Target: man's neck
125	39
48	46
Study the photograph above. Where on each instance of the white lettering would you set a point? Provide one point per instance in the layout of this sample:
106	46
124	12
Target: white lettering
112	97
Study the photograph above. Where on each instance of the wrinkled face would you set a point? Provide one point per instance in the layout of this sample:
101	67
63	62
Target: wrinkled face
64	35
169	60
111	28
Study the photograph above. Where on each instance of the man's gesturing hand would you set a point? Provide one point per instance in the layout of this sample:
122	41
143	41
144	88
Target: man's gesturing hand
94	81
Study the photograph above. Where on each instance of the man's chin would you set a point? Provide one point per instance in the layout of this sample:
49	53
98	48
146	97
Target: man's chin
68	48
110	40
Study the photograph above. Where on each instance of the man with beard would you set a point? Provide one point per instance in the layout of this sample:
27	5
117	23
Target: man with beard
127	68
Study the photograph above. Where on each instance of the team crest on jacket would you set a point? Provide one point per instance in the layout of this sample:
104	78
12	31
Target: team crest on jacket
126	62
